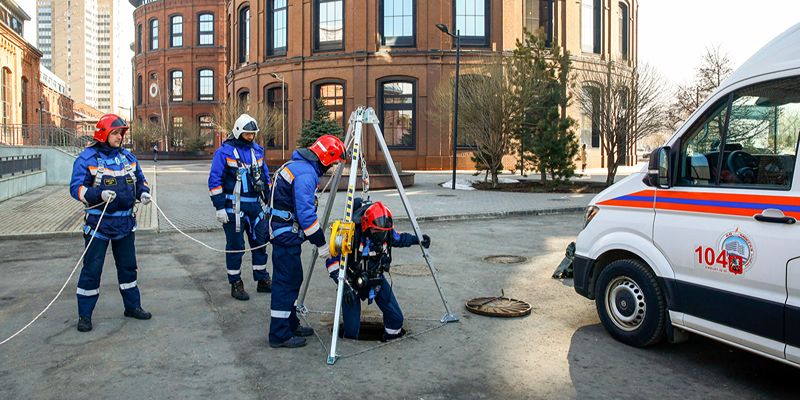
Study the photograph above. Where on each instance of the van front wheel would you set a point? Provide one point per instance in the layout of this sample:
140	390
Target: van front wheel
630	303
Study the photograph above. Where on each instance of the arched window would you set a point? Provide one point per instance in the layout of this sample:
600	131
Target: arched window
329	24
398	22
205	83
332	96
276	99
176	85
139	90
206	125
153	34
277	27
244	98
590	119
176	31
623	30
244	35
472	21
139	39
397	99
24	101
205	29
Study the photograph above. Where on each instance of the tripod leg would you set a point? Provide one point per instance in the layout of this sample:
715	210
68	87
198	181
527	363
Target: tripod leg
449	317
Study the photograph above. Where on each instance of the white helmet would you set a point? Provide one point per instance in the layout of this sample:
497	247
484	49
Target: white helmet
244	123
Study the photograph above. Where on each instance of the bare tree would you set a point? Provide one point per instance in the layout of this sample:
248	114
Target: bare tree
269	120
625	105
485	112
144	133
714	68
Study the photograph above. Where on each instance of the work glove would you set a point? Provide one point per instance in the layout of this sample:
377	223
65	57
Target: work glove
426	241
108	195
222	216
145	198
350	296
324	252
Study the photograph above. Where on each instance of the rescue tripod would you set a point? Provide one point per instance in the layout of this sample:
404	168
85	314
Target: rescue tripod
342	235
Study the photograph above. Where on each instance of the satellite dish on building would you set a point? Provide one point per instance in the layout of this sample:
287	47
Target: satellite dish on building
153	90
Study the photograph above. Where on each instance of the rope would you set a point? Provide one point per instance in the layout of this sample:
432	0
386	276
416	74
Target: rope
201	243
69	278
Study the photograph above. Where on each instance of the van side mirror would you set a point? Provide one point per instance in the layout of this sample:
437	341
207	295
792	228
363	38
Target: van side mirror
658	171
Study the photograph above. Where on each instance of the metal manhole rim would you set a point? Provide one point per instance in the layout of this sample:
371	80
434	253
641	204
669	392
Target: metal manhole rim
506	259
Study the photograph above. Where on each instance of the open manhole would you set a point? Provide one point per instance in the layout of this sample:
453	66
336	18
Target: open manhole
371	330
503	307
410	270
505	259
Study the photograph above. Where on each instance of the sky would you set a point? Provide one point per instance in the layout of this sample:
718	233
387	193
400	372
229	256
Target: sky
673	34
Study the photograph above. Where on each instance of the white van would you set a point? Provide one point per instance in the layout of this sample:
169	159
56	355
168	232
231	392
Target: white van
706	240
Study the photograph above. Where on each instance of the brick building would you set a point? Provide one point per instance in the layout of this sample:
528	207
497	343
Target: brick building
178	67
389	55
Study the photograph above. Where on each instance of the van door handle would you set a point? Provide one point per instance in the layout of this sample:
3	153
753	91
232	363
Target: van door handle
774	216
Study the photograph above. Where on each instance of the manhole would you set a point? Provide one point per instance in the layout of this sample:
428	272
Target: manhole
505	259
410	270
503	307
369	331
445	195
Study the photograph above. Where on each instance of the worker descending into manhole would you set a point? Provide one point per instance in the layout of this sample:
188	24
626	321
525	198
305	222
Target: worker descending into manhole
366	266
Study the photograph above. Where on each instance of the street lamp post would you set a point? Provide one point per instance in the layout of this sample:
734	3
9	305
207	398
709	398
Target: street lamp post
457	38
283	112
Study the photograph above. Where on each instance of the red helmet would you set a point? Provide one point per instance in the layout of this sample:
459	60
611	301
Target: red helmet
379	219
328	149
108	123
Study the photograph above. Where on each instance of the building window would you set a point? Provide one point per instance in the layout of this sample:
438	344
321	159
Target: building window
472	21
623	30
329	21
24	101
206	85
332	97
206	124
177	131
276	32
591	26
153	34
176	85
397	22
244	99
538	18
176	31
276	101
139	39
398	106
244	35
590	123
205	30
139	90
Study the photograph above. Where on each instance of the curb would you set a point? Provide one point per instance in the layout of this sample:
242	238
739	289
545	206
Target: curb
153	230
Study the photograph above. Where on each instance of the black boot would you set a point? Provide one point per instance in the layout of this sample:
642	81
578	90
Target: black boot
84	324
237	291
303	331
293	342
387	337
137	313
264	286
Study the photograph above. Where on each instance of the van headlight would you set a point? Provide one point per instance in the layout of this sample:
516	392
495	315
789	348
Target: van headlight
591	212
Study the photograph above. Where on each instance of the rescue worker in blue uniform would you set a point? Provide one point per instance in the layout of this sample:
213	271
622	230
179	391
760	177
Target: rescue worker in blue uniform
366	266
238	182
293	220
106	172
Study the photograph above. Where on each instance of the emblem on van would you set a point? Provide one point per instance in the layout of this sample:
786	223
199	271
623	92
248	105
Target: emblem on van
739	249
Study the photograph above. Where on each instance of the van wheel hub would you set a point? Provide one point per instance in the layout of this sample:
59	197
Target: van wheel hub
625	303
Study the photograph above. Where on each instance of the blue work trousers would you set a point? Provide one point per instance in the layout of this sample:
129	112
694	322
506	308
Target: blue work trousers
287	276
256	236
387	303
89	281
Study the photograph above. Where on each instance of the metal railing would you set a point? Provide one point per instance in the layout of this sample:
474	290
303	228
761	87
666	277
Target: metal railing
41	135
19	164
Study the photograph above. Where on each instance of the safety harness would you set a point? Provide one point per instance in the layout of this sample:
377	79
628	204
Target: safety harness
270	210
98	180
242	187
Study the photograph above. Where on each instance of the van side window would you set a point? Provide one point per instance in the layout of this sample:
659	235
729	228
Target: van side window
700	148
761	140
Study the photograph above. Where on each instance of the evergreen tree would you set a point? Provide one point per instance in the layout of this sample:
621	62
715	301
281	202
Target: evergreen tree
320	124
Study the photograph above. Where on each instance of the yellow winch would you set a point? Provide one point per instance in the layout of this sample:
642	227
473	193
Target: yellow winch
342	237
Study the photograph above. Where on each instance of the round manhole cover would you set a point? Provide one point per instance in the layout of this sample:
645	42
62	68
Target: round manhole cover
411	270
505	259
503	307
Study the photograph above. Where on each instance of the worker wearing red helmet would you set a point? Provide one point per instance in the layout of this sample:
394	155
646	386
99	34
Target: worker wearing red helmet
293	220
371	257
105	172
